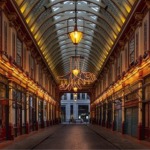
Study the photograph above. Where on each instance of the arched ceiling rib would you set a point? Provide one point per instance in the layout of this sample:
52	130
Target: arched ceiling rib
100	20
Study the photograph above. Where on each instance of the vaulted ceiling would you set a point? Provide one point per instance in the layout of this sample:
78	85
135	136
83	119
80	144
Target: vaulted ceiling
101	22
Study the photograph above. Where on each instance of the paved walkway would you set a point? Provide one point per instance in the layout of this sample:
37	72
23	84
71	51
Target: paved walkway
123	141
27	141
75	136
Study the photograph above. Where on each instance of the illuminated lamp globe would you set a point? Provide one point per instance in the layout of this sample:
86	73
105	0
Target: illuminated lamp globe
75	89
75	72
75	36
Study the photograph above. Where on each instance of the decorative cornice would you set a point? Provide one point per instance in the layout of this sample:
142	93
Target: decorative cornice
138	16
3	4
12	16
29	43
147	3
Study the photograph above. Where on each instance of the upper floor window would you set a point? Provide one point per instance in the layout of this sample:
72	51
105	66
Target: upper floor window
71	96
78	97
110	74
19	52
65	96
104	82
131	50
5	36
119	64
40	75
49	86
83	95
46	83
137	44
32	67
145	36
24	57
13	45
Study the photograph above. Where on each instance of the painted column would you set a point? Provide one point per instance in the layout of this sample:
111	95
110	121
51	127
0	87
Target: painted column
42	113
123	113
113	116
48	114
106	120
102	105
51	114
11	130
140	110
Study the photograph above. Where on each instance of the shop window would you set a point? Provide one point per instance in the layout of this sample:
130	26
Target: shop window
147	93
19	52
2	107
45	110
40	112
131	50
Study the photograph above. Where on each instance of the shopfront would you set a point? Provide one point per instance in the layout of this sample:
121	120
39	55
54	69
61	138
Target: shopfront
146	109
131	114
118	116
40	113
19	110
109	113
4	108
32	112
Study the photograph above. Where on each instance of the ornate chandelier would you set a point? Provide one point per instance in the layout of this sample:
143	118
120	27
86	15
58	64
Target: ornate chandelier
76	78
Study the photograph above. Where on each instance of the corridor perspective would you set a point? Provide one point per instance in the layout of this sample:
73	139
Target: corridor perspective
77	71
